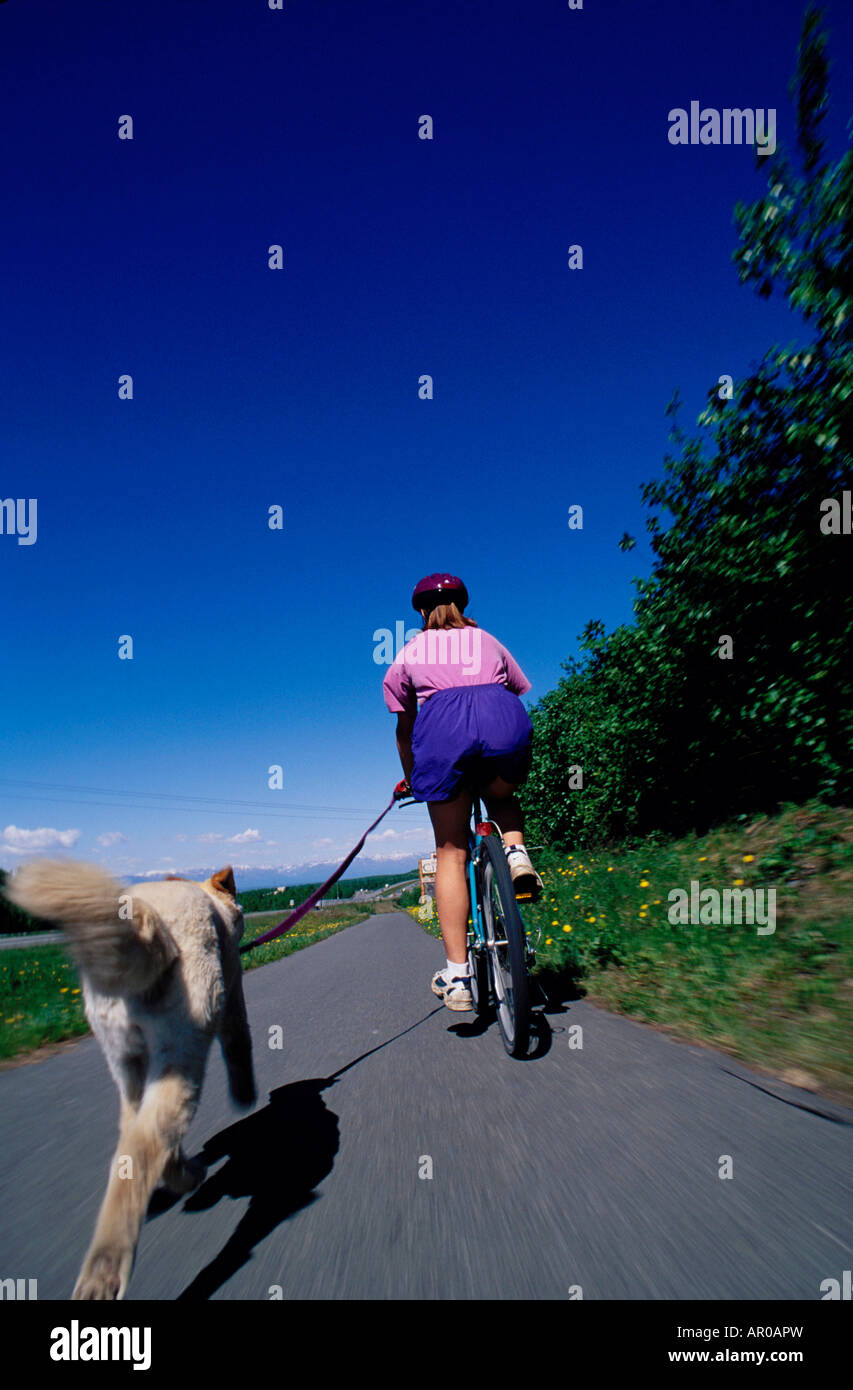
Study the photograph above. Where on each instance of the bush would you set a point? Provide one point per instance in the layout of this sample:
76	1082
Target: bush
669	735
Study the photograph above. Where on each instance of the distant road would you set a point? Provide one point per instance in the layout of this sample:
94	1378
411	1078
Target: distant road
40	938
56	938
397	1152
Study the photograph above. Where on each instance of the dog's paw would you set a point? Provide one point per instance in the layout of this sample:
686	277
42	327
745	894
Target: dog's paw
104	1275
185	1176
243	1091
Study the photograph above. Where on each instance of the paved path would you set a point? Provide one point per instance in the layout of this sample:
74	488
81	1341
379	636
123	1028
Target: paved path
596	1167
41	938
56	938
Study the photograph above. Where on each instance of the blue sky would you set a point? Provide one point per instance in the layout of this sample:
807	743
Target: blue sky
299	387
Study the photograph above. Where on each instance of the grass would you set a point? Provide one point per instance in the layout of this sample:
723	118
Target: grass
780	1002
41	1000
314	926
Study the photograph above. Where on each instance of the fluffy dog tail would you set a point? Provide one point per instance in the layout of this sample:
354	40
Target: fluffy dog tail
119	942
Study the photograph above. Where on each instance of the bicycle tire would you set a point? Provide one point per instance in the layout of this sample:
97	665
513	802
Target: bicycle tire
478	966
507	962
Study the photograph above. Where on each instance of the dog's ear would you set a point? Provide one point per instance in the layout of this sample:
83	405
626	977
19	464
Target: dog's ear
175	878
224	882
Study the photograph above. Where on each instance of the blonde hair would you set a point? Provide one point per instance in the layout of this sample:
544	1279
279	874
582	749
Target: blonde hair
446	615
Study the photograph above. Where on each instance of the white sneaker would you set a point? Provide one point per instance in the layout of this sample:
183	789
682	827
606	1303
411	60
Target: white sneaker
525	880
455	993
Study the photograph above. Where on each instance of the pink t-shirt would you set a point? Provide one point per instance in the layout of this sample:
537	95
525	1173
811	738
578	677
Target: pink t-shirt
441	659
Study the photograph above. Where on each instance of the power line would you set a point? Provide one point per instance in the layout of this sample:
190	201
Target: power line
174	796
198	806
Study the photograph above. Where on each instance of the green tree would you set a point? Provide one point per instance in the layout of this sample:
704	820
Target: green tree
676	737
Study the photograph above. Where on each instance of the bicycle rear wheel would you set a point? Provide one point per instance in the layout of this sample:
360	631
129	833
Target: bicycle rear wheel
478	965
507	948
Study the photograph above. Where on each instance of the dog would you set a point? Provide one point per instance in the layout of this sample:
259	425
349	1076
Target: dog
160	973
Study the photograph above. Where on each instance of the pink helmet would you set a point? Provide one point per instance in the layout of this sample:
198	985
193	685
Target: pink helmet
439	588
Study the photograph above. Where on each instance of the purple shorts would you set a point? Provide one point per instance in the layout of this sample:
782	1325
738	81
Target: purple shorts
466	737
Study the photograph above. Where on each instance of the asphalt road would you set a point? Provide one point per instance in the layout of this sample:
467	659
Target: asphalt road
42	938
595	1167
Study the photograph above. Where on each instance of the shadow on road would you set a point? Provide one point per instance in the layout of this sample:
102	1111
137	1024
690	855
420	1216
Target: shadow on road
540	1032
276	1157
550	991
559	987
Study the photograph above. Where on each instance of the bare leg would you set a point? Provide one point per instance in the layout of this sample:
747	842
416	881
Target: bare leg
503	806
450	823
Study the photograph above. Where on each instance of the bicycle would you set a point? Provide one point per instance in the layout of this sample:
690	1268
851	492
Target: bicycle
500	954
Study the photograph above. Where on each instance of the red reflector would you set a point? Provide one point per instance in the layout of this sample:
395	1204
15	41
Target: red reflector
484	828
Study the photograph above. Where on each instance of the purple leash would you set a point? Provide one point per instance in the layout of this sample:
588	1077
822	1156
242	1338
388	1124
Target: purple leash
318	892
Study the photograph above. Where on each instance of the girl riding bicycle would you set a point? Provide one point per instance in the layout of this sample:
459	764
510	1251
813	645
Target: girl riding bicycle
461	728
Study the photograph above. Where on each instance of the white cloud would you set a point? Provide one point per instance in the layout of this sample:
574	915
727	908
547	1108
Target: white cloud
167	866
244	837
18	841
111	837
